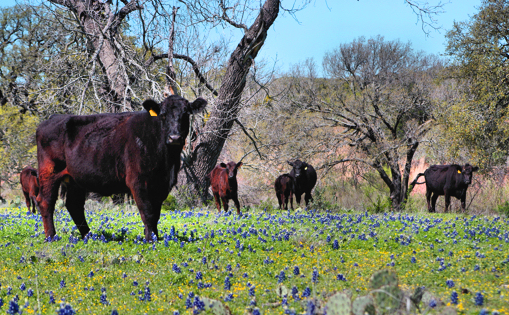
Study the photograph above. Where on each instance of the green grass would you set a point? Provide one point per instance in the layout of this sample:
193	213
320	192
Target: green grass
366	244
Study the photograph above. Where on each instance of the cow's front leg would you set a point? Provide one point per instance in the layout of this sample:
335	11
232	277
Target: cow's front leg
463	200
150	211
434	202
237	203
447	201
47	197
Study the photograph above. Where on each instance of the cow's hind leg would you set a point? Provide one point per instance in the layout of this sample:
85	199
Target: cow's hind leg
237	204
434	202
280	198
33	200
27	201
291	199
75	204
218	202
224	200
428	199
447	202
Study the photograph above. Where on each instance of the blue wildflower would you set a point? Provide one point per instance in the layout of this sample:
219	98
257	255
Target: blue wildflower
296	270
13	307
227	284
315	275
479	299
307	292
62	283
30	292
454	297
432	303
66	309
281	277
450	283
413	260
252	291
22	287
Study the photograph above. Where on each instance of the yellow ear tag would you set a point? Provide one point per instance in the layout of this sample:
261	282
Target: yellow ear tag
459	172
306	168
152	113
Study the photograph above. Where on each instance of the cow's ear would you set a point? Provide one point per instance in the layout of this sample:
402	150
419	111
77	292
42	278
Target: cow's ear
291	163
239	164
223	165
197	106
152	107
475	169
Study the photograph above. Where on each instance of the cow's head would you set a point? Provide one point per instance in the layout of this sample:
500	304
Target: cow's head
299	167
173	114
231	169
467	173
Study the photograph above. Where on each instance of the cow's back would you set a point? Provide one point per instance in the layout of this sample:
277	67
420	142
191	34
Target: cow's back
441	177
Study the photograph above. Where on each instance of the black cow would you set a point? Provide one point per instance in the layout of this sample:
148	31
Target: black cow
137	153
223	181
304	176
29	186
284	187
446	180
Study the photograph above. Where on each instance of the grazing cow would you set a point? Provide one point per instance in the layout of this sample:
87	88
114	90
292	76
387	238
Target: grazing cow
29	186
223	181
284	187
304	176
137	153
447	180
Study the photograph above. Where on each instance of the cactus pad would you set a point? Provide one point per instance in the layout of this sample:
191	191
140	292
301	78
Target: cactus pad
362	305
215	306
338	304
387	299
383	278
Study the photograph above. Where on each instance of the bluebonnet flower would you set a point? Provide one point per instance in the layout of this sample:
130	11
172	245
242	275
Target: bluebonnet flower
1	302
199	275
335	244
30	292
91	274
296	270
454	298
245	275
476	268
103	299
310	308
227	284
199	304
147	296
256	311
189	303
51	298
252	291
432	303
176	268
114	312
341	277
450	283
413	261
135	283
9	290
307	292
62	283
204	260
315	275
176	313
281	277
22	287
13	307
66	309
479	299
229	297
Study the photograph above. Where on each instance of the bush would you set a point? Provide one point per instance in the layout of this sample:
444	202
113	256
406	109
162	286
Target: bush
503	209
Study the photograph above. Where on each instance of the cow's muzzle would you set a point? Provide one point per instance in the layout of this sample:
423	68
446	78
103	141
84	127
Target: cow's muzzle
174	140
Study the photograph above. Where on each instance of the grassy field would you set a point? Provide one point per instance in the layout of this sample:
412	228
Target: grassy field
269	263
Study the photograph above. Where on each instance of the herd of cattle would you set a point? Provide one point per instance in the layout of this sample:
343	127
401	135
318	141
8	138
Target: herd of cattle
138	153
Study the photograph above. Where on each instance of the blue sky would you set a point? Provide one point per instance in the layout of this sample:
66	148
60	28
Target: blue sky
325	24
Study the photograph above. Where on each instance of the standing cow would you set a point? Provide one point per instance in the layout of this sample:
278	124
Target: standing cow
304	176
29	186
223	181
284	187
137	153
446	180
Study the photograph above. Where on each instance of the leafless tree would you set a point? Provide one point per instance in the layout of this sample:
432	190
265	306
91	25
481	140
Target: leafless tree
376	106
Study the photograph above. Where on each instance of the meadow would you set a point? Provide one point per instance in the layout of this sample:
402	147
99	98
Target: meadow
278	262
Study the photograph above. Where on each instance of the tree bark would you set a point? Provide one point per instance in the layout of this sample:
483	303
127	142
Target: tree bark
207	148
100	25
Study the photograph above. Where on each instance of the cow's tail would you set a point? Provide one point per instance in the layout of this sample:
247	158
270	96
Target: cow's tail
412	184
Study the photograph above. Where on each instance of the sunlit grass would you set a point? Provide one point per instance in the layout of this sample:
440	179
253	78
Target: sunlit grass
254	250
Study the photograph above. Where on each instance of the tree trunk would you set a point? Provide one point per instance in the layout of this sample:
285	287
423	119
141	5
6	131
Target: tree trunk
207	148
100	26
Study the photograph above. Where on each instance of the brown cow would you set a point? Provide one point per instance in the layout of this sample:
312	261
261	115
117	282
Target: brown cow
29	186
223	181
285	188
137	153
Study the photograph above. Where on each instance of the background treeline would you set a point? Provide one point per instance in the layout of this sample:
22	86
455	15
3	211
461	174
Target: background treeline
363	116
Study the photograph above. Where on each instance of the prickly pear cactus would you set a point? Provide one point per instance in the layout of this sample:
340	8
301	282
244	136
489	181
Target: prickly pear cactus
282	291
383	277
362	305
338	304
387	299
215	306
